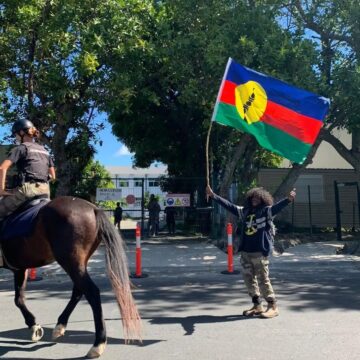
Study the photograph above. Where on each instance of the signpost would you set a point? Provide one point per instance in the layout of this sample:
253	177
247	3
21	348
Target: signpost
103	194
177	200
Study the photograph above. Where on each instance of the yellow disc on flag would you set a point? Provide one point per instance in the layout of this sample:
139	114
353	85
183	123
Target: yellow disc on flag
250	101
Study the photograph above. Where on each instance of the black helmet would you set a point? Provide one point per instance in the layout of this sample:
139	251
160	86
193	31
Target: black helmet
21	125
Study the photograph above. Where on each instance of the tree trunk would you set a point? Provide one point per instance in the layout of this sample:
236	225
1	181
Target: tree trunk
63	177
233	160
63	168
352	156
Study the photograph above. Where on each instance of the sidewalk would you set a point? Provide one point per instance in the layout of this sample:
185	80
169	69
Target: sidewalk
171	255
161	254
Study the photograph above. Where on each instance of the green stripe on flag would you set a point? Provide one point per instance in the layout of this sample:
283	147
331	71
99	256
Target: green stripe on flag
267	136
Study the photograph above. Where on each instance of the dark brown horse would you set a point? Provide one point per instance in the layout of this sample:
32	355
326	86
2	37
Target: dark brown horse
68	230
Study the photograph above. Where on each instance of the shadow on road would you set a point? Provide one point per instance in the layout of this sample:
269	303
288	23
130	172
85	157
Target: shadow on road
22	346
70	337
188	322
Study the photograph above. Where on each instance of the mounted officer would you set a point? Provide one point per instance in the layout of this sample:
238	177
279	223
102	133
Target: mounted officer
34	166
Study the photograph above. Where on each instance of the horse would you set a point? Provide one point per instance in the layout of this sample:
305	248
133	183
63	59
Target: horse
69	230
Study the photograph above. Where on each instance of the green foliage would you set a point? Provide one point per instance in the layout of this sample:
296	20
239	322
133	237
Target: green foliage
166	112
335	31
57	59
94	176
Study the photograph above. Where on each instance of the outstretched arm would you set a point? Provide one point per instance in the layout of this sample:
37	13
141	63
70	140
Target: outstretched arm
282	203
234	209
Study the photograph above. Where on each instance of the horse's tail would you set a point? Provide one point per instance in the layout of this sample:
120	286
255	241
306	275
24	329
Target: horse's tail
117	268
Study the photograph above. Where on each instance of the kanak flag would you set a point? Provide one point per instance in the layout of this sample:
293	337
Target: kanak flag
284	119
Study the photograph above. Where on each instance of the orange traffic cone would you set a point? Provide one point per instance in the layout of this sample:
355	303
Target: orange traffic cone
32	275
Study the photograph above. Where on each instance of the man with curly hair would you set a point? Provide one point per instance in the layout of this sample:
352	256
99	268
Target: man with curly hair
256	244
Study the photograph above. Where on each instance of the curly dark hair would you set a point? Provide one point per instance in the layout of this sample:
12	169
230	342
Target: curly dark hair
265	197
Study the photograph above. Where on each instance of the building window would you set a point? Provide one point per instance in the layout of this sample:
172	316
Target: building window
154	183
123	183
314	183
137	183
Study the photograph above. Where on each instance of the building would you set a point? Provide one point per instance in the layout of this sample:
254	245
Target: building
316	201
326	156
131	182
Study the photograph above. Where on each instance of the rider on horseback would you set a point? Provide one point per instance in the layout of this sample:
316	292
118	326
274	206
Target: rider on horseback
35	168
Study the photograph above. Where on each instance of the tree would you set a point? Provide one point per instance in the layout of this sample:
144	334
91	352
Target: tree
94	176
56	61
335	30
168	113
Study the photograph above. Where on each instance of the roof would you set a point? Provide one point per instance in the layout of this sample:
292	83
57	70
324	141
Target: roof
128	171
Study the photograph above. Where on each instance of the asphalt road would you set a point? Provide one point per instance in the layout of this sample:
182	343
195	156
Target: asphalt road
192	311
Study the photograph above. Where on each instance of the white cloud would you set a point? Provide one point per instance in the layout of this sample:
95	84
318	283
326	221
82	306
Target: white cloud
123	151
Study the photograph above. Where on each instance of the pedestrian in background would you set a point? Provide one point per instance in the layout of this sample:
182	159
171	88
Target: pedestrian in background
118	215
170	219
256	244
154	215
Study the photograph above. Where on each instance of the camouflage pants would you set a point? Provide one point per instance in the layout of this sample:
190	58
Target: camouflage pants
255	270
10	203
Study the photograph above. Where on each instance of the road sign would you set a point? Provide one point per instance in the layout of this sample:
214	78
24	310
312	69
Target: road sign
179	200
130	199
108	194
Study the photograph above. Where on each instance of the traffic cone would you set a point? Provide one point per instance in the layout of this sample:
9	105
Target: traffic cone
32	276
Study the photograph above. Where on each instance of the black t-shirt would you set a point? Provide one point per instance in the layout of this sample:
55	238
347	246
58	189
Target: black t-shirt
118	213
32	161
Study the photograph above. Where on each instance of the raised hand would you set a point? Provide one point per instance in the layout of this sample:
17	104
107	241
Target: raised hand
292	194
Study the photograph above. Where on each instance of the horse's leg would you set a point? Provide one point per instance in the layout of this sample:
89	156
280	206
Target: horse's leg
20	283
83	282
64	317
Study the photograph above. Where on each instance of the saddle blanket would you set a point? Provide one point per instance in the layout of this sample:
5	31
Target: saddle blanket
21	224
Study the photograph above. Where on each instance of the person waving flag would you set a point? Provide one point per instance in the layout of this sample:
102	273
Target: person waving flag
284	119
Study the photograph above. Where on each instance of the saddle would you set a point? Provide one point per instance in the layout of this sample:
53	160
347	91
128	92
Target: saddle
21	221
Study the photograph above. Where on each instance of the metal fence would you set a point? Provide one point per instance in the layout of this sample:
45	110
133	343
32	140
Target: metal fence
333	207
135	193
326	205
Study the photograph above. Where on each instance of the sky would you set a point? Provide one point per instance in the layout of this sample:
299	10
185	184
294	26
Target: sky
112	152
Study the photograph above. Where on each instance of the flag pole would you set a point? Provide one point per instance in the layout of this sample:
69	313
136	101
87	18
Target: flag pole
207	155
211	121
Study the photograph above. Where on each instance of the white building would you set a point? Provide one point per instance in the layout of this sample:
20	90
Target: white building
130	181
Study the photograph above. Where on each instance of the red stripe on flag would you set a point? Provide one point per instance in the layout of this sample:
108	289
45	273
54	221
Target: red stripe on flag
228	93
300	126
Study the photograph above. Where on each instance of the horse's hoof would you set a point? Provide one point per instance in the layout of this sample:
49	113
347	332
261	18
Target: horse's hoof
58	331
96	351
37	332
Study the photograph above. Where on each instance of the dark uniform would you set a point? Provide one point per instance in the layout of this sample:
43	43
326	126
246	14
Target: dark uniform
118	216
33	162
154	211
170	219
